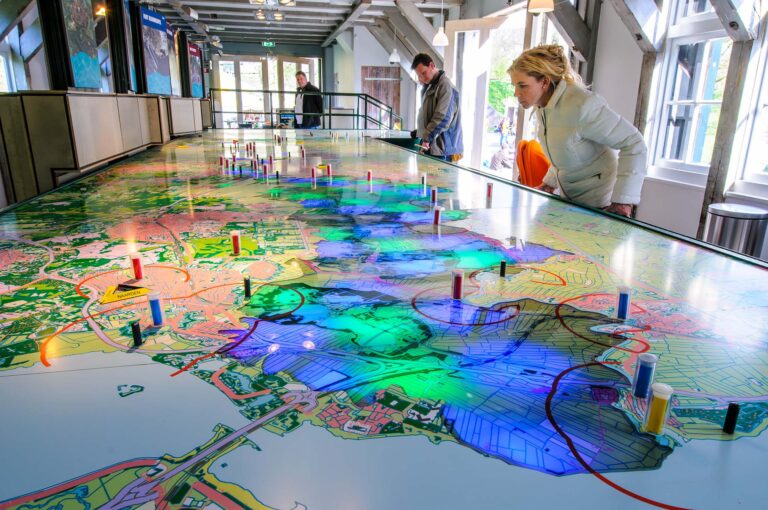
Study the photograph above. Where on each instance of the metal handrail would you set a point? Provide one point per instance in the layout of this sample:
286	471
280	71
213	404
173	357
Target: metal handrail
385	118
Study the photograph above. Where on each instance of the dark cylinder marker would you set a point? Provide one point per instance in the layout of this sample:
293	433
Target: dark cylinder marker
247	284
136	331
731	417
503	269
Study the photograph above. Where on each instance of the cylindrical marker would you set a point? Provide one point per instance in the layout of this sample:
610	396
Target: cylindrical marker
457	287
266	170
330	169
136	333
271	160
289	155
138	270
236	242
622	310
434	195
489	190
370	175
221	160
247	285
503	268
645	368
314	173
424	180
731	418
277	175
658	409
156	308
436	216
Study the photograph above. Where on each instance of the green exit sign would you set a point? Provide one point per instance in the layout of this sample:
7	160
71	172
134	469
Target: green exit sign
268	44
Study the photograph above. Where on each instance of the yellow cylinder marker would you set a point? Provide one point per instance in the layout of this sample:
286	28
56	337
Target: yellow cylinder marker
658	409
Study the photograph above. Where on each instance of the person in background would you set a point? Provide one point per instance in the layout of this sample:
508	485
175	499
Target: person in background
580	134
439	122
308	101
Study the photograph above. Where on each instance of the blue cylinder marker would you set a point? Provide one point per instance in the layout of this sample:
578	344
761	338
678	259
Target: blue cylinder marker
646	367
156	308
622	310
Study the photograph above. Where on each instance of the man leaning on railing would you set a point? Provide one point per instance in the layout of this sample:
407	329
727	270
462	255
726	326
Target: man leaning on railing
309	103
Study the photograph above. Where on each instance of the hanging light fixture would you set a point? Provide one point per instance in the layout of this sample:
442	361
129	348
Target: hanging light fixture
440	40
394	57
539	6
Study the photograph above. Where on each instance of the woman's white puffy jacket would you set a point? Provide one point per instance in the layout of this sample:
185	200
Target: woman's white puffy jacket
579	133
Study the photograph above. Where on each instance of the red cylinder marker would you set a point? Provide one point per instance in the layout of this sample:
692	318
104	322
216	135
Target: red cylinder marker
138	271
457	287
436	216
236	242
489	190
370	175
314	173
434	195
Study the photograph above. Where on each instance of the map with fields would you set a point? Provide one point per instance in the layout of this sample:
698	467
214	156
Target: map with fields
346	338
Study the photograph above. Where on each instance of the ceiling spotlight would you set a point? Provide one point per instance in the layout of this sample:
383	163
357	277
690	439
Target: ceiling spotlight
101	10
278	16
256	2
260	15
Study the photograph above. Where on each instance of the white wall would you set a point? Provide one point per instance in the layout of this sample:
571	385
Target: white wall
618	60
344	68
366	51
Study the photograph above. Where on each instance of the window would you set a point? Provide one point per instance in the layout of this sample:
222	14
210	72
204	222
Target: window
696	65
692	107
688	8
5	78
755	167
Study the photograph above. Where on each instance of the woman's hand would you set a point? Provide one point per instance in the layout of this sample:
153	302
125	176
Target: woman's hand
620	209
546	189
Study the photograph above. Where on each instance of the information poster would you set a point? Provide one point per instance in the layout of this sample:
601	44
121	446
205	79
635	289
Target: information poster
156	63
81	42
129	43
196	70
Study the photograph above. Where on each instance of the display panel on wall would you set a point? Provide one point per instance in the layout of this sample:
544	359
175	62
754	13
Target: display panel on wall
173	58
156	64
196	70
129	43
81	39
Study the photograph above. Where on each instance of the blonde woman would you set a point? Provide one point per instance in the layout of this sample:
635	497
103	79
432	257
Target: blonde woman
580	134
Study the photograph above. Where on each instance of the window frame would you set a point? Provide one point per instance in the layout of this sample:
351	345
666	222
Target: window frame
697	28
757	99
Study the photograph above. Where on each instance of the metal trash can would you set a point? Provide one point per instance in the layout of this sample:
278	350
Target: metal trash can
736	227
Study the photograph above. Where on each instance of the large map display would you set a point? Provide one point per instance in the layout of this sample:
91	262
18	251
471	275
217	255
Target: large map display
350	378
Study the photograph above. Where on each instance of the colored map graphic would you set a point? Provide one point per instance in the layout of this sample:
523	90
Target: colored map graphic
350	326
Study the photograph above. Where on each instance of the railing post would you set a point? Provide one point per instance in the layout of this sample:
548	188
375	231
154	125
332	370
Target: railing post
366	111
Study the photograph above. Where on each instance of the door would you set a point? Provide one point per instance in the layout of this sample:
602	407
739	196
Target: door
382	83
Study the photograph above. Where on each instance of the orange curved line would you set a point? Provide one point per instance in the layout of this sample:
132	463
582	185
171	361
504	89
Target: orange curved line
562	280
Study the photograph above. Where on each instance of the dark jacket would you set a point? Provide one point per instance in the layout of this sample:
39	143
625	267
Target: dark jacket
439	121
313	103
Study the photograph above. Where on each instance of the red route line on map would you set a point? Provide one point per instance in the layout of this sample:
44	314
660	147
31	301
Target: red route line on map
80	284
575	452
231	346
76	481
216	379
645	344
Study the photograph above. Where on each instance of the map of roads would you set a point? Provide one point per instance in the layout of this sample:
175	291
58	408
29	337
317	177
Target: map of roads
346	375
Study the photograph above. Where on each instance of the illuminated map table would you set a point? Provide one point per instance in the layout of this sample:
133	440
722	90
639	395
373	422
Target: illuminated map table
350	378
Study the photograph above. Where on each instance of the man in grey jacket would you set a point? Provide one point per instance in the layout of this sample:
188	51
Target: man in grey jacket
439	122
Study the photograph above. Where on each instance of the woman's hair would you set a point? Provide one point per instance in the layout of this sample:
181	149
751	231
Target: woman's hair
546	60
